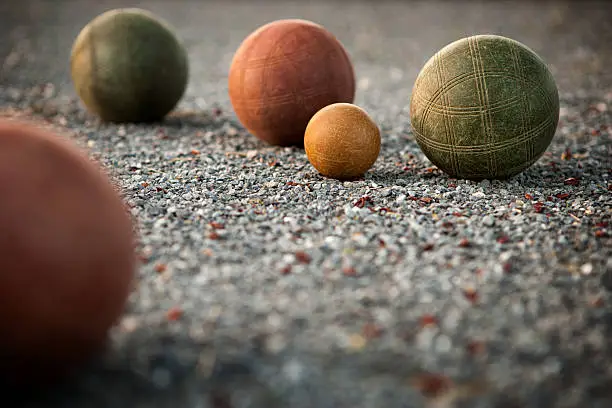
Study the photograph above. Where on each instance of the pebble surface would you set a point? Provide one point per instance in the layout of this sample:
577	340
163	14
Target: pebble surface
263	284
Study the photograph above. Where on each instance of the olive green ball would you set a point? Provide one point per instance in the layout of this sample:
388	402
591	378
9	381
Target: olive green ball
484	107
127	65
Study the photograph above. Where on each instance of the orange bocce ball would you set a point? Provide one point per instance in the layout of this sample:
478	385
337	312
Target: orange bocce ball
66	252
342	141
282	74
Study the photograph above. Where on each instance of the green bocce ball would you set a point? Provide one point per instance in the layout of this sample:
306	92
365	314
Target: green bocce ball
127	65
484	107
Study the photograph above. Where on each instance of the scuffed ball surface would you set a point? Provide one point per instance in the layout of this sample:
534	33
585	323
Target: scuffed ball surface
127	65
283	73
484	107
342	141
66	251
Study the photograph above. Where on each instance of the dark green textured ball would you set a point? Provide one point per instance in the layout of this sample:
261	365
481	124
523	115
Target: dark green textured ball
484	107
127	65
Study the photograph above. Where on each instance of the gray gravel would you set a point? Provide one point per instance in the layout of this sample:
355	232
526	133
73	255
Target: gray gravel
265	285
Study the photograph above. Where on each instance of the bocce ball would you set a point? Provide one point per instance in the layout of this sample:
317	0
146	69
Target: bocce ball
67	253
128	66
484	107
342	141
282	74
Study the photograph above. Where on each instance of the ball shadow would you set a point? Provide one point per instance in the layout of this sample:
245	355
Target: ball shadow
184	118
389	178
537	176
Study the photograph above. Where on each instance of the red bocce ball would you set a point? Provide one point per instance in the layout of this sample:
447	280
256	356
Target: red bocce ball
283	73
66	252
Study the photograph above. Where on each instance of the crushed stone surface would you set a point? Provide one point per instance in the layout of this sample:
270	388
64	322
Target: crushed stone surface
263	284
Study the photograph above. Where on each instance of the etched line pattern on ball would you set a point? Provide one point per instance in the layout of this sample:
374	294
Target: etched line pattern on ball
450	118
300	89
467	76
266	97
528	136
431	105
272	59
491	146
513	121
446	119
245	66
483	96
528	148
329	50
487	112
478	81
465	111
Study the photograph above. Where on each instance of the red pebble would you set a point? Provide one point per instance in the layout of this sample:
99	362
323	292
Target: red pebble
503	239
67	251
538	207
432	385
302	257
471	295
572	181
349	271
174	314
464	243
428	320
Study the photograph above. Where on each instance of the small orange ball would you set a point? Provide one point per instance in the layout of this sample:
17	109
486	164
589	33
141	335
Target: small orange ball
67	259
282	74
342	141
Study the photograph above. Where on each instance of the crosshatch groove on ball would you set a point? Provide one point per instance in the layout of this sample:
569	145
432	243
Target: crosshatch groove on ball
528	149
483	96
521	91
263	100
449	118
274	100
473	75
292	92
299	94
466	76
328	53
466	111
532	134
446	119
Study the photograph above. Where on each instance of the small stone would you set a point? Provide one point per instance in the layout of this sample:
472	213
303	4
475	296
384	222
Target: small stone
586	269
489	221
479	194
161	377
443	344
276	343
356	342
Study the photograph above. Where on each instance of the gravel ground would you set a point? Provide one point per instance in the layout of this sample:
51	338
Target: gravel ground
263	284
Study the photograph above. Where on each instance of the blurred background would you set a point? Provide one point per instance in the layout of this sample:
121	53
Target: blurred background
389	41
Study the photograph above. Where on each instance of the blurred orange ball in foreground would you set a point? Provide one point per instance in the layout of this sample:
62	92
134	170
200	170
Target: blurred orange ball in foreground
66	252
342	141
283	73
